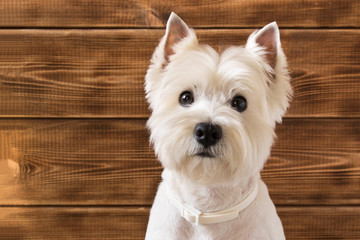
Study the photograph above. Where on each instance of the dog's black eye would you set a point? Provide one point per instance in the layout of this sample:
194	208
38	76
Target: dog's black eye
186	98
239	103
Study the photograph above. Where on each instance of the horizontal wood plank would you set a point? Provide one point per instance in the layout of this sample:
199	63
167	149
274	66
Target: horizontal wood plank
327	223
100	73
130	223
77	162
109	162
43	223
153	13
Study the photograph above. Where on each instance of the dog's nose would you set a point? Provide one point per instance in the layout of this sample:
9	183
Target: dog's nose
207	134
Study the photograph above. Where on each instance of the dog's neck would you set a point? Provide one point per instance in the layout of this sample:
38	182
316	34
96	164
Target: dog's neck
208	198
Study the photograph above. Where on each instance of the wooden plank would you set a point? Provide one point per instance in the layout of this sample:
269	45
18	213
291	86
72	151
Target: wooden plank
100	73
64	73
300	223
88	13
311	164
77	161
73	223
153	13
320	222
66	162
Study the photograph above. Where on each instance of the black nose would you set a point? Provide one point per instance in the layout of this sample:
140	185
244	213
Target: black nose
207	134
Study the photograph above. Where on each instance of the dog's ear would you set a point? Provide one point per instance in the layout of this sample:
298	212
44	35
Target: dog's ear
176	30
266	44
178	37
269	39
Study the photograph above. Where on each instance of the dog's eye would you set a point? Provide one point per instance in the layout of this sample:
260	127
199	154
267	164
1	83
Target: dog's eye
186	98
239	103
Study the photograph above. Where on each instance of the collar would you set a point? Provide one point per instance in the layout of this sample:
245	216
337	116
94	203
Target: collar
194	215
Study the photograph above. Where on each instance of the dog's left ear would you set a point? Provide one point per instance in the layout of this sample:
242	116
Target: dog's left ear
269	39
266	44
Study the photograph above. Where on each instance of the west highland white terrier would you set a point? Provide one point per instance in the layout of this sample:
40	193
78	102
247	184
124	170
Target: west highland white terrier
212	127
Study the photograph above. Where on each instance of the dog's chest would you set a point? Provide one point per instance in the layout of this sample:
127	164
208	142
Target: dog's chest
223	232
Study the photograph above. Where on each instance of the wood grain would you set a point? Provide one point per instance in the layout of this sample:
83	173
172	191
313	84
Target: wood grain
100	73
130	223
154	13
100	162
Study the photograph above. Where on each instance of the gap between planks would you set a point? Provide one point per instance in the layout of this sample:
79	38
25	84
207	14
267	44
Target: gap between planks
145	117
149	206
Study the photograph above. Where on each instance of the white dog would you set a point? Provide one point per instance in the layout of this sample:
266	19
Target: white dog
212	127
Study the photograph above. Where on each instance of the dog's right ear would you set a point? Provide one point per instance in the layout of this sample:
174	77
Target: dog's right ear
178	37
176	31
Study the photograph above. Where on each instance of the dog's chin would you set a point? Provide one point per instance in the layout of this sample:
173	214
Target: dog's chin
201	153
206	167
205	155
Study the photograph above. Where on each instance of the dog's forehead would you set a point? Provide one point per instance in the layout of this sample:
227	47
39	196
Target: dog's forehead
238	68
228	72
233	69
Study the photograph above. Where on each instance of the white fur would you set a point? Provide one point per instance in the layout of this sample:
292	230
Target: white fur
221	182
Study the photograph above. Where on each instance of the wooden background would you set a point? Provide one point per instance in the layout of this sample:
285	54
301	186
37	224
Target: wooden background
75	162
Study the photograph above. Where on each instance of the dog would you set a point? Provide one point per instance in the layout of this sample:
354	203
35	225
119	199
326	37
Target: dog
212	128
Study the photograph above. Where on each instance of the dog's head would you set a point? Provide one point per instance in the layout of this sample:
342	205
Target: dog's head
213	115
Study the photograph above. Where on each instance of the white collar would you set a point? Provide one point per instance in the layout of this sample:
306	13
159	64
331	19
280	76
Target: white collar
194	215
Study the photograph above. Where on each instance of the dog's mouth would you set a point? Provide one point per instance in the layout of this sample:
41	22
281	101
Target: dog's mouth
205	155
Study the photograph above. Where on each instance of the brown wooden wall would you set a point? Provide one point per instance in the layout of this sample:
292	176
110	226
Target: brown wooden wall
75	162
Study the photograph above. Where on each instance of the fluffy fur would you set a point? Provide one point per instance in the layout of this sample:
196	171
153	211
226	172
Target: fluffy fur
258	72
